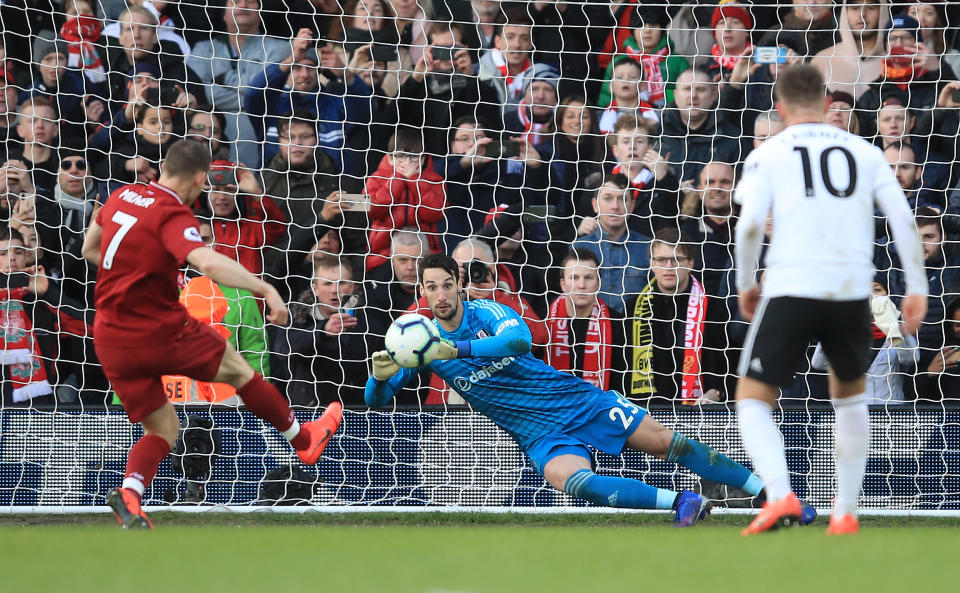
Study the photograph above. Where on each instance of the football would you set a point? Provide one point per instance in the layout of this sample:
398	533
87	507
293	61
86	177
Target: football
411	339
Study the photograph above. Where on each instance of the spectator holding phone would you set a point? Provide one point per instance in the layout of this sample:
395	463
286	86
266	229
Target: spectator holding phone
321	355
244	219
404	191
481	173
294	85
138	46
444	88
912	71
731	23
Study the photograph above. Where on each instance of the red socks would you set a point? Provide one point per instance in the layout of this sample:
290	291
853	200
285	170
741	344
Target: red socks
144	460
265	401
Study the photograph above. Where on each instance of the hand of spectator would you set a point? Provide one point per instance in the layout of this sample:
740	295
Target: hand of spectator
39	283
477	155
137	164
424	65
19	173
743	68
94	111
477	290
184	99
462	62
749	299
276	309
407	169
339	323
330	58
587	226
332	207
301	43
247	182
384	366
25	210
528	154
926	58
138	95
914	309
360	62
946	95
655	162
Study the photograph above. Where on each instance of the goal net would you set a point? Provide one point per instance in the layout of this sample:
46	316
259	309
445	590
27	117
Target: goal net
541	144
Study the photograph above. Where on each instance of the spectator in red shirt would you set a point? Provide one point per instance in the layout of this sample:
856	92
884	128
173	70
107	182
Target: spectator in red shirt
404	191
244	220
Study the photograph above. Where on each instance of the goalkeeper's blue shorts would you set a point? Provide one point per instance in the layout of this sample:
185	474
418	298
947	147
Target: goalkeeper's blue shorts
606	427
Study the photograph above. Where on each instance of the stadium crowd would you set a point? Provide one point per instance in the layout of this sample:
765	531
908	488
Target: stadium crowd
578	159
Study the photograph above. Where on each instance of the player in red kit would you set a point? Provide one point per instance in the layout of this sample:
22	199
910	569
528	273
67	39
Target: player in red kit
140	239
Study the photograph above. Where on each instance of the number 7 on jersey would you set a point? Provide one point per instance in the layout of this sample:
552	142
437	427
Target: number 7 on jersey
126	222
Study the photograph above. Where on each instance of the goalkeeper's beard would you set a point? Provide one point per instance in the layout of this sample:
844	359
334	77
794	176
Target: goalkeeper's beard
453	307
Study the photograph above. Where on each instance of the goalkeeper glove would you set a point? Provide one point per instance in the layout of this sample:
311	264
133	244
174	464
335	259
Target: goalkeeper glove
887	318
384	366
445	350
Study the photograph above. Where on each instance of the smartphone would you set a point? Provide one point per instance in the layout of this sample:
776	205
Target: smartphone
442	54
222	177
538	213
348	305
510	149
356	202
381	52
955	95
770	54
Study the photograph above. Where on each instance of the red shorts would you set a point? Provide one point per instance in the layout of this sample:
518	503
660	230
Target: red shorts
134	371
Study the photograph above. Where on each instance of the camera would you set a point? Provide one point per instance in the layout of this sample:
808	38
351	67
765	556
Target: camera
477	271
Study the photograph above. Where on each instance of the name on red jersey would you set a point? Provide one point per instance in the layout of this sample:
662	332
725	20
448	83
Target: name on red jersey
132	197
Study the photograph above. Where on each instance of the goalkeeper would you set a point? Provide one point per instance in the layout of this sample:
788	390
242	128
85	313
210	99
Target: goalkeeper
554	416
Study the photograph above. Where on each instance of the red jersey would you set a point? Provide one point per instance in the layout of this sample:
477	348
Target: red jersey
147	234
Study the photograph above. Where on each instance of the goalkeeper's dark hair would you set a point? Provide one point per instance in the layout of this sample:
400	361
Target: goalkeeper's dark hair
801	86
185	158
440	261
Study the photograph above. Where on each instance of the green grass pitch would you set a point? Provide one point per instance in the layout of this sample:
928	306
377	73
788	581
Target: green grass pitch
468	553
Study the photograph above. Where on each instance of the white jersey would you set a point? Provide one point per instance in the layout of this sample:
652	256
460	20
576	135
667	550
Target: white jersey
821	184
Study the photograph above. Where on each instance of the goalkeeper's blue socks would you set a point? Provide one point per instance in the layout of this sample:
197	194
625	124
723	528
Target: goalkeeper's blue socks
711	464
611	491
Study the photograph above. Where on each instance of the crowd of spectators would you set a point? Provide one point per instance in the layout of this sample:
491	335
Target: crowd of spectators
577	158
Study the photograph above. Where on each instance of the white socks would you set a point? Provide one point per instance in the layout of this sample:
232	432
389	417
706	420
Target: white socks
764	443
852	434
292	432
133	484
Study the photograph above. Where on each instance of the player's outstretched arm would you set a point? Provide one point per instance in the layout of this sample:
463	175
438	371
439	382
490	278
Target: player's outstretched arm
387	380
511	337
91	243
223	270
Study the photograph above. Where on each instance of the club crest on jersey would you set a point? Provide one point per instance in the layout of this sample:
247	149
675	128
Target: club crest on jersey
132	197
482	334
192	234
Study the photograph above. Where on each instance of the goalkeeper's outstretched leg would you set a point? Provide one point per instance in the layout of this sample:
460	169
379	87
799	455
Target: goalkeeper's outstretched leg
570	471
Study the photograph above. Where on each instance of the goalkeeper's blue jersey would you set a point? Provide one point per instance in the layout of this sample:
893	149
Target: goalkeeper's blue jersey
502	380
